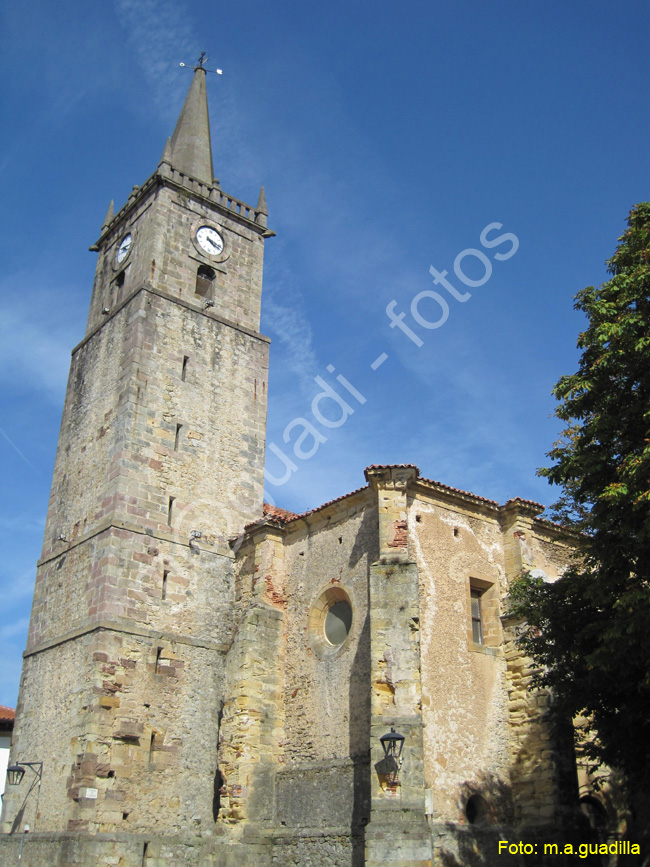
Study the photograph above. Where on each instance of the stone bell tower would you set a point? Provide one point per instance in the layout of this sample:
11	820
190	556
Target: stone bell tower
160	460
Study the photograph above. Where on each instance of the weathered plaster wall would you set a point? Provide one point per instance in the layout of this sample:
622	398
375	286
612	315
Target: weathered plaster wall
542	773
463	685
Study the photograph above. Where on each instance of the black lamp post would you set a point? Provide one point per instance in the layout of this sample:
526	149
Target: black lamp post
15	774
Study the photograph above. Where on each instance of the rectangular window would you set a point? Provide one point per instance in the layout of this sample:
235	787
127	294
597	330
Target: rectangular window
204	280
477	624
170	510
155	745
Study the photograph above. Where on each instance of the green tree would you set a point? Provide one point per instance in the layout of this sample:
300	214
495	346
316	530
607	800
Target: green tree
590	630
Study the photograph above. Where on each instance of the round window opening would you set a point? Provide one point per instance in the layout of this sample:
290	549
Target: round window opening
477	811
338	621
330	622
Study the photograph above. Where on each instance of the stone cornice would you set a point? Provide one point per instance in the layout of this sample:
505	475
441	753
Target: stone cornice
112	523
213	196
208	314
127	628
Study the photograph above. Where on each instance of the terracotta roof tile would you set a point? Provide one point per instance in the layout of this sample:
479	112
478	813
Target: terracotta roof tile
458	491
276	512
330	502
523	502
392	467
284	516
7	714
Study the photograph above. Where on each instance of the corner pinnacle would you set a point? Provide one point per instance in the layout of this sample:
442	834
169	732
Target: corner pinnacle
261	203
261	212
109	215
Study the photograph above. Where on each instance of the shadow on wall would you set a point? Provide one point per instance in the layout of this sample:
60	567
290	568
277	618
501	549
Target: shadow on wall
359	716
493	814
366	545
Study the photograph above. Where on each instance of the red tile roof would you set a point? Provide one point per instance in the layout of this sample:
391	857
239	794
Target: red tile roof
393	466
7	714
519	500
284	516
331	502
458	491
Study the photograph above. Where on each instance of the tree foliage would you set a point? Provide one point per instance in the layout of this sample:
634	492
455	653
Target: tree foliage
590	630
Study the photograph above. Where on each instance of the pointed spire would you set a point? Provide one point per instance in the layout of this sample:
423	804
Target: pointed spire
109	215
261	213
191	150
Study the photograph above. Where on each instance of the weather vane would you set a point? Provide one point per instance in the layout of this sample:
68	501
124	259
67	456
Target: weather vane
201	65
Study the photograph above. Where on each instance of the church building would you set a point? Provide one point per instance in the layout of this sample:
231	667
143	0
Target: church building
212	681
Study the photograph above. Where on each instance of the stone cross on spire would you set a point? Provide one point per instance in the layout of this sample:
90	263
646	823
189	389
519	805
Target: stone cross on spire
191	148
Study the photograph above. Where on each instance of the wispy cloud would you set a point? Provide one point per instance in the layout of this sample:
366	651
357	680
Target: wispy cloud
12	522
286	318
161	37
18	589
18	627
34	350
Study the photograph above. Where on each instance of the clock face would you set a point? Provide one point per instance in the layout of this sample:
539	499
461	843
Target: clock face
125	248
209	240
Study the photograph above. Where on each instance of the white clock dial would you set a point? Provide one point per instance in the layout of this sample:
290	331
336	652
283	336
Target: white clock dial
125	248
209	240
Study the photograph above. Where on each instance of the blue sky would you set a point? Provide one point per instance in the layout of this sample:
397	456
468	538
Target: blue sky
387	137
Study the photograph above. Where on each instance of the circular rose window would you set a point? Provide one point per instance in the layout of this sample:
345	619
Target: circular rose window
338	621
330	622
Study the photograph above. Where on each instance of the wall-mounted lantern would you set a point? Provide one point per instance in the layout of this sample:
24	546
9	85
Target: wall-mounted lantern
15	774
393	744
388	768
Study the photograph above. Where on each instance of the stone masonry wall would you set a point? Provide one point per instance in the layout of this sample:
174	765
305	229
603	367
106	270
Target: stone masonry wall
136	434
140	427
326	698
129	388
542	773
295	724
129	578
163	219
135	718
